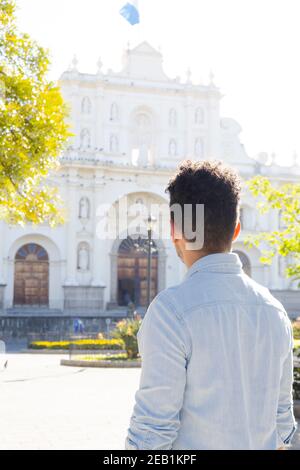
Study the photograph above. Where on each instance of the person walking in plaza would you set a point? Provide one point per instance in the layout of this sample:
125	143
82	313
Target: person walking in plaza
217	349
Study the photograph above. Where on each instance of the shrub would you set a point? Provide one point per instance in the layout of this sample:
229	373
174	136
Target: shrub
296	384
126	330
92	344
296	329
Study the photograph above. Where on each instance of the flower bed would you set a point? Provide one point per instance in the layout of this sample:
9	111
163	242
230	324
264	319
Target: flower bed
81	344
106	357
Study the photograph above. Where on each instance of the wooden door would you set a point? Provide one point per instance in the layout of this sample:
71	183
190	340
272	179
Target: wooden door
31	283
132	272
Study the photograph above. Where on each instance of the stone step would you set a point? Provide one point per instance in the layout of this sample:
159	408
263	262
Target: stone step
34	312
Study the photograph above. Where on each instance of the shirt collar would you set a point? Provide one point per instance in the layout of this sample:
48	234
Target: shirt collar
218	262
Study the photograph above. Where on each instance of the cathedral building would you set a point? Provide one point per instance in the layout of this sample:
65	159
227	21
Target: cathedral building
131	129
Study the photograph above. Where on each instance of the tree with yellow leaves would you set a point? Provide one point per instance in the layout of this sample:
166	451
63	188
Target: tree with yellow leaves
33	128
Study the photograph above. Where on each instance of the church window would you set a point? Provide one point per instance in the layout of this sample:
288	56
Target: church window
114	112
84	208
114	144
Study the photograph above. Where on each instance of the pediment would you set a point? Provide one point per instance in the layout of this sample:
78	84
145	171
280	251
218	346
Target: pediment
144	62
145	48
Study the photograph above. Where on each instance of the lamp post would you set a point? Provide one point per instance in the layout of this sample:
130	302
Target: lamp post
148	248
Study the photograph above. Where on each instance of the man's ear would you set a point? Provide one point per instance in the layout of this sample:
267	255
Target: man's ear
237	231
172	230
175	234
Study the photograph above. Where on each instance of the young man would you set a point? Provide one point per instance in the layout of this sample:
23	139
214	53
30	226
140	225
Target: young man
217	363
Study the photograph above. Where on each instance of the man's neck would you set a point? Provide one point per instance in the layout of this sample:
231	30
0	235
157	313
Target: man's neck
192	256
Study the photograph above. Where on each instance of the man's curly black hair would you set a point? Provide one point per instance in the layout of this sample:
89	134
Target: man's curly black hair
216	186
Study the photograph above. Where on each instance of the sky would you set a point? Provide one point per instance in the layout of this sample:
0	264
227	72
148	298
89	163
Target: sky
252	46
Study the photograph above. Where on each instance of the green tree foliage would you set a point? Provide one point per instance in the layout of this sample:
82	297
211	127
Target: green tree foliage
285	200
33	129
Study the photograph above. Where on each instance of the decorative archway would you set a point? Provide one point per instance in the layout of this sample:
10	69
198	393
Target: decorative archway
31	276
245	261
132	271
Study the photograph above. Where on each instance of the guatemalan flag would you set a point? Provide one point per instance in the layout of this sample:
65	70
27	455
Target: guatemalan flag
130	11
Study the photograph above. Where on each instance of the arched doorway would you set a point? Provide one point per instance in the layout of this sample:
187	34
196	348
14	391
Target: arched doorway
31	277
132	271
245	261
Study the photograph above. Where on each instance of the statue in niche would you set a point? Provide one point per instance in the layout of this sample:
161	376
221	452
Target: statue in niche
86	105
84	208
114	144
172	148
199	148
199	116
173	118
85	139
83	258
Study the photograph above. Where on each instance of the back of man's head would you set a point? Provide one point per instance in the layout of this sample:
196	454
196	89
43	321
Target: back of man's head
218	188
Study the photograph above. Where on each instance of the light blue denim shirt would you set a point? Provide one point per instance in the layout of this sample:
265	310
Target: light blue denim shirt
217	364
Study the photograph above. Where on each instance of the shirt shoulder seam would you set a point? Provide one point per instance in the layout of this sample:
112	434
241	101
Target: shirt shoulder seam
180	318
230	302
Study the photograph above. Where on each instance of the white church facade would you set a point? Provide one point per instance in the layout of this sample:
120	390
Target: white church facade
131	129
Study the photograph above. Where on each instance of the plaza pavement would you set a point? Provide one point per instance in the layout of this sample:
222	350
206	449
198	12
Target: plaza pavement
46	406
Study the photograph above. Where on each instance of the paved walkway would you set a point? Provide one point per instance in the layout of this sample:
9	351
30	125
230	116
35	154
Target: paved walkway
46	406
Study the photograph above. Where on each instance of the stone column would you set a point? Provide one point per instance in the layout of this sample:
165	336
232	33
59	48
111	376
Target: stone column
114	279
71	242
98	127
98	243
